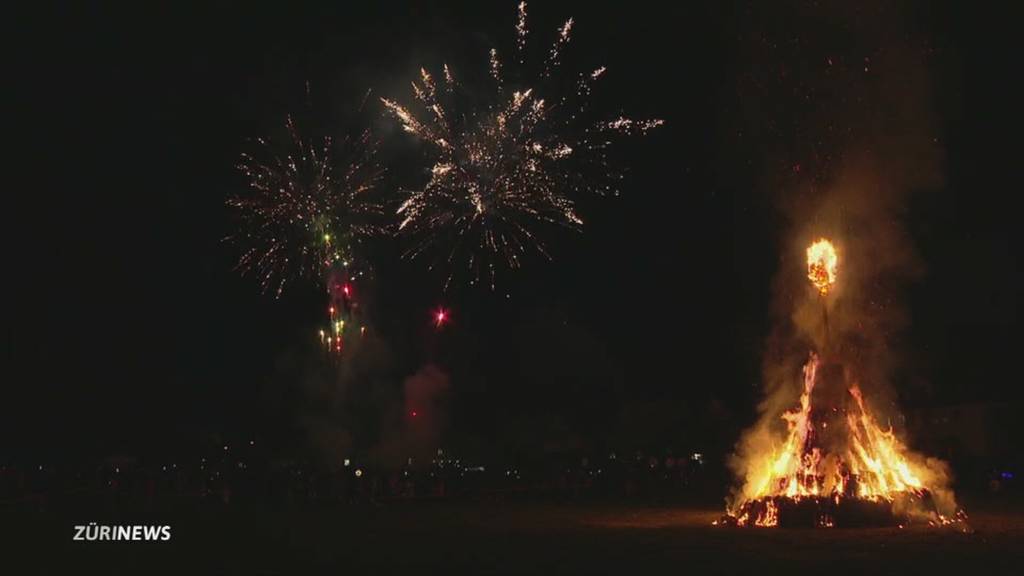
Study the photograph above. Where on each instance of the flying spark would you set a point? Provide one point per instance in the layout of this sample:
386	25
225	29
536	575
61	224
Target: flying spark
306	216
303	214
506	167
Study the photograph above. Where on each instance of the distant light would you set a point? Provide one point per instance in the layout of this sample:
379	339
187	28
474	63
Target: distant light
414	413
440	317
359	472
347	462
1007	475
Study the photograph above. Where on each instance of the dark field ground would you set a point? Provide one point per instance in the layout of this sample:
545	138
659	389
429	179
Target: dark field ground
494	538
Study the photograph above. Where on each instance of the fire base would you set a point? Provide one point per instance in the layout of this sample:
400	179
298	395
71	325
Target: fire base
829	512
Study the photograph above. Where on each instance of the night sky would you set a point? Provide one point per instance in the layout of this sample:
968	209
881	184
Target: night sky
129	330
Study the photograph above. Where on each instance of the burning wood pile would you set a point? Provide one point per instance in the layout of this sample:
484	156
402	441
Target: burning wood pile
836	466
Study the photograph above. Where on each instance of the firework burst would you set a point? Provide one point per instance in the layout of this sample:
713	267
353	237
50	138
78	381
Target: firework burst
304	216
507	167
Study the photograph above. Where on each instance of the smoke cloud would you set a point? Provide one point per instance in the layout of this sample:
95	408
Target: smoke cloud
359	407
851	140
415	431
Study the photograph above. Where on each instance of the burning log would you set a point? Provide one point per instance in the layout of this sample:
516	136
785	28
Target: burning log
840	512
817	512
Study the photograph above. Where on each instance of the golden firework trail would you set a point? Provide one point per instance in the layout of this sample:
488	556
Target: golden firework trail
503	169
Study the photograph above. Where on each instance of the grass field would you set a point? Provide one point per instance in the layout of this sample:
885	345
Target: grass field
494	538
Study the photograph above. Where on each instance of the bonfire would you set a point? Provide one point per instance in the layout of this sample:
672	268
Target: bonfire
835	465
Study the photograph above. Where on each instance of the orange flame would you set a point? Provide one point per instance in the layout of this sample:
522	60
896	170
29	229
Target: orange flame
874	465
822	262
875	457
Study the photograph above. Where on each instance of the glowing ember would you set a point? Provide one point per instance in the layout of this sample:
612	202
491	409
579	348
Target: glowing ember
821	265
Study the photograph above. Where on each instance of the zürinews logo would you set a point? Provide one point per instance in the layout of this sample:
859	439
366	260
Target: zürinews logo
137	532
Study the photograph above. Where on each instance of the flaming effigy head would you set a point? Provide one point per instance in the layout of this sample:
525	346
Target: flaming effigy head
822	261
